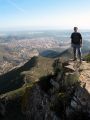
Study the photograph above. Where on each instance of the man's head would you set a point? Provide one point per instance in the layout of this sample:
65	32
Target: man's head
75	29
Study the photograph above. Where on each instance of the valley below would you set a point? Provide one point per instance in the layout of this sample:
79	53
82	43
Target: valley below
15	50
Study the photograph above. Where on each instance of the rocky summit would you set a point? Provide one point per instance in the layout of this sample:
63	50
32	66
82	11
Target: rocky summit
53	89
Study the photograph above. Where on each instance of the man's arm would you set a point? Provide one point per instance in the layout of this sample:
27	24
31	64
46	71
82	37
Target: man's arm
80	39
71	39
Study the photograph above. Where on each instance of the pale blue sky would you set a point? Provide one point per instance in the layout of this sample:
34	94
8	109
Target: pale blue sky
44	14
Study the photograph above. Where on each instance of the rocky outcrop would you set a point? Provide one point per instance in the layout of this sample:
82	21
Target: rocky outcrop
43	102
80	103
67	96
59	95
38	106
85	75
2	109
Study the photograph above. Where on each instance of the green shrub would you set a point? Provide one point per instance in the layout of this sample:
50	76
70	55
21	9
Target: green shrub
87	57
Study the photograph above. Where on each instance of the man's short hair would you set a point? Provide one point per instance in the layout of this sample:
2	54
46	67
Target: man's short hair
75	28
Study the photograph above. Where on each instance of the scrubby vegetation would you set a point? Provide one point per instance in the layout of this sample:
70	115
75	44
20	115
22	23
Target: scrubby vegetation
87	57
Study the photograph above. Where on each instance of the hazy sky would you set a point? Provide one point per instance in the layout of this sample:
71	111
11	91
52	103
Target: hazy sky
44	14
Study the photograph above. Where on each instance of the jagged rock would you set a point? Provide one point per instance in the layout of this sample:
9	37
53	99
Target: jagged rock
85	75
60	76
81	97
38	105
70	68
2	109
54	83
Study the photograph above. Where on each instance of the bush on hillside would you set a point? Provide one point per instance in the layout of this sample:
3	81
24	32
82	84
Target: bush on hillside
87	57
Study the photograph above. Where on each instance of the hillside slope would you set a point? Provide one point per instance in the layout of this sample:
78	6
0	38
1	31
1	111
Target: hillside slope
30	71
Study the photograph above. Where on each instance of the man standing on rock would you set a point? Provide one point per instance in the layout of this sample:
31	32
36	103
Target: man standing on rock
76	43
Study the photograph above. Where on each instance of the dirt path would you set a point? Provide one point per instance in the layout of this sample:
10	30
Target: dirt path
85	75
84	72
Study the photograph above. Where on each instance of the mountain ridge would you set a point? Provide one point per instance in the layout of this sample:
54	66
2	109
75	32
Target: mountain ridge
16	77
52	89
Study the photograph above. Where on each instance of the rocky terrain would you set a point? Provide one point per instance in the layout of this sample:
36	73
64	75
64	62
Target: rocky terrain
53	89
85	75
